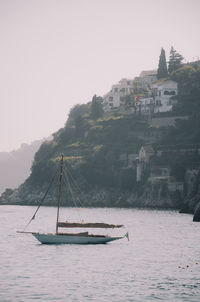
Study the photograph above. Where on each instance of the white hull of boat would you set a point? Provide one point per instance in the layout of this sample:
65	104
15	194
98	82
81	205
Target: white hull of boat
71	239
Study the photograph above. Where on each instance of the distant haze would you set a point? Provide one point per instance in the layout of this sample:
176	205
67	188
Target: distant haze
55	54
15	166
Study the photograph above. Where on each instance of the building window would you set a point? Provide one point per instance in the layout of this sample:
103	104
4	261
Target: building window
166	92
110	98
115	89
158	103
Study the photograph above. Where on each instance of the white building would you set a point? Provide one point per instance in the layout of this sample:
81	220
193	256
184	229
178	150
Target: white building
113	99
145	153
163	91
159	175
145	105
158	96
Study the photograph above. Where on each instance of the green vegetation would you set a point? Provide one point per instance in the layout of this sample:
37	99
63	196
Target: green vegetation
162	66
175	60
188	78
67	158
92	151
96	107
187	131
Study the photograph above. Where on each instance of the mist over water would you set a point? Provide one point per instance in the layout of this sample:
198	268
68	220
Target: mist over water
160	262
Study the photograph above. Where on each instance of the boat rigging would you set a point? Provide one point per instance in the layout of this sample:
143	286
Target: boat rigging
72	238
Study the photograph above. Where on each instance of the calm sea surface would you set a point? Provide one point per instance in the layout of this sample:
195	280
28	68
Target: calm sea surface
160	262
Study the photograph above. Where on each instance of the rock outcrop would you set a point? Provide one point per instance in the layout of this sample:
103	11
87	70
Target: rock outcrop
196	216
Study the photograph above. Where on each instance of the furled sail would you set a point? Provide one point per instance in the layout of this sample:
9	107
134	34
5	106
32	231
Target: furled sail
88	225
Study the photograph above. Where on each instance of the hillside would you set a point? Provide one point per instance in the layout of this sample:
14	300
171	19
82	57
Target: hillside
92	153
101	151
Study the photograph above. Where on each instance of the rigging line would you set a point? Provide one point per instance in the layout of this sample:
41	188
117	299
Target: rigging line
77	187
66	177
80	191
42	200
74	183
79	175
77	197
71	191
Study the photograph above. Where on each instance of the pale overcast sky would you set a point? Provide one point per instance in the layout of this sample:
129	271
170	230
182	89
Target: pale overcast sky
57	53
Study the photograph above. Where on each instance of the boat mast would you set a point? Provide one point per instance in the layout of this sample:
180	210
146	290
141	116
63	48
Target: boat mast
60	191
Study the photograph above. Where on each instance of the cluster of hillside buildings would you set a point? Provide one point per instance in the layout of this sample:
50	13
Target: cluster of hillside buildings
147	95
143	94
162	175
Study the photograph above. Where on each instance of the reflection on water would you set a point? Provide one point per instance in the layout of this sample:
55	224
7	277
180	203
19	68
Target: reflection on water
160	262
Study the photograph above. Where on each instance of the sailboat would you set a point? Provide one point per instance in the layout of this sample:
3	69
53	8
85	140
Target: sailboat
74	238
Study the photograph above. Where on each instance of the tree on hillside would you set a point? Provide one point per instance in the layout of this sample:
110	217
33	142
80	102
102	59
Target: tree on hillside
162	66
76	111
184	77
96	107
175	60
188	78
80	125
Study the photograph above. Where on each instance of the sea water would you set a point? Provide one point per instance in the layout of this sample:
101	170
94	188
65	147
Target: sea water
161	262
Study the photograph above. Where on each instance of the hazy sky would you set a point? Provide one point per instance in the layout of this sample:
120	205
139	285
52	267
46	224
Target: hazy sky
57	53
